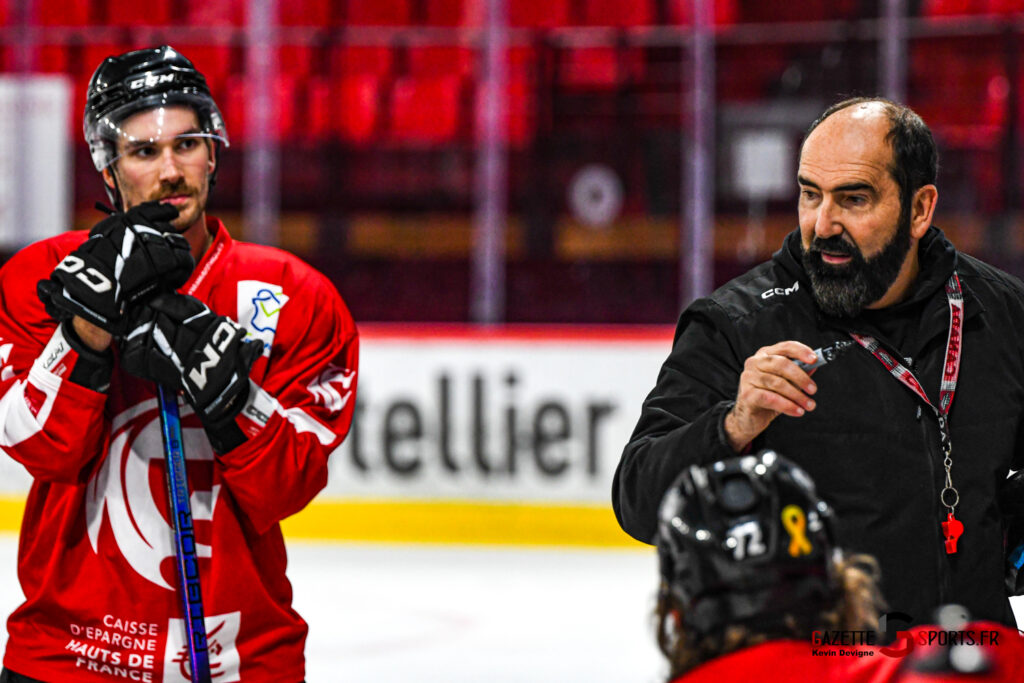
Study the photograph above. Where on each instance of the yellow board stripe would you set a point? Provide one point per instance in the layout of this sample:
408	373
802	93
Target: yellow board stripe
459	522
11	510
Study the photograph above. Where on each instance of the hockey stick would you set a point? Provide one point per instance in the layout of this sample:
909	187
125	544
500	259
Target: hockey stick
184	537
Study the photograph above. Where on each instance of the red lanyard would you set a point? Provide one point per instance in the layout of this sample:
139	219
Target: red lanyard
952	527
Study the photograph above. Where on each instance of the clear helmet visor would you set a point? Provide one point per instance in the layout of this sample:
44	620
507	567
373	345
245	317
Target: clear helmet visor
144	123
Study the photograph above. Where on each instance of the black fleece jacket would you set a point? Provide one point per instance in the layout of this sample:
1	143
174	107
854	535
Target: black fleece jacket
871	445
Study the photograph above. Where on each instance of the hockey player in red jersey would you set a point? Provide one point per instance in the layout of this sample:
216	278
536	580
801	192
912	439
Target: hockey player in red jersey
264	353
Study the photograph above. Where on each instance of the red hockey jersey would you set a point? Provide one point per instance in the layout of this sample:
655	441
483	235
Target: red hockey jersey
95	559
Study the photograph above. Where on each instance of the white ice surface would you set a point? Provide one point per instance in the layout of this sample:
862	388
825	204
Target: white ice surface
442	614
461	615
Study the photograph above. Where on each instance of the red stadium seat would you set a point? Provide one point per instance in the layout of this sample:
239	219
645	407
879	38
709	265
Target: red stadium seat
539	13
94	53
1002	7
320	112
356	109
53	59
617	13
976	116
746	72
378	13
945	8
296	60
521	112
65	13
215	12
599	67
135	13
215	63
305	13
440	60
376	60
425	111
454	12
236	107
681	12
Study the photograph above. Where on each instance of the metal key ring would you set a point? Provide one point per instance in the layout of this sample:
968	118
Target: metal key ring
942	497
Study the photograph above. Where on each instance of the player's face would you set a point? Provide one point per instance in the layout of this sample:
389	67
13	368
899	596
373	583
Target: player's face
855	240
158	160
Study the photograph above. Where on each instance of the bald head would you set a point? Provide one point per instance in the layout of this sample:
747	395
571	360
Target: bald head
914	158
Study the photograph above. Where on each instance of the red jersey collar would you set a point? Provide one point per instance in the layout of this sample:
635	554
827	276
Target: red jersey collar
211	258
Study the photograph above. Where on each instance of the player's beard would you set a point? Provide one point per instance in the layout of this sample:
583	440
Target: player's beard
193	209
844	290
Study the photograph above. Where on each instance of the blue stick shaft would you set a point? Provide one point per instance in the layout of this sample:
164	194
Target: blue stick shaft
184	537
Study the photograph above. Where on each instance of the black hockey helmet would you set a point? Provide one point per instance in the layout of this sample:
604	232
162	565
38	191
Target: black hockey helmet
139	80
746	541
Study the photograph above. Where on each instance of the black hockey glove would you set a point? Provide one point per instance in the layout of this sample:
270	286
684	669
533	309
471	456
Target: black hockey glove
127	258
175	340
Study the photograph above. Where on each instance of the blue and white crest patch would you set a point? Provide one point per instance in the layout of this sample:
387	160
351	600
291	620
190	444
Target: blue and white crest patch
259	309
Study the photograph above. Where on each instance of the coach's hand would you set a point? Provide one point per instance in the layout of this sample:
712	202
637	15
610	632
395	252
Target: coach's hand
771	385
175	340
128	257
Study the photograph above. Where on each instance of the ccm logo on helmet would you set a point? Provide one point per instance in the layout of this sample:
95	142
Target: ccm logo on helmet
218	344
779	291
149	80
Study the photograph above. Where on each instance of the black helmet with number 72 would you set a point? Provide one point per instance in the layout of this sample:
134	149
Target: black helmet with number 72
145	79
747	541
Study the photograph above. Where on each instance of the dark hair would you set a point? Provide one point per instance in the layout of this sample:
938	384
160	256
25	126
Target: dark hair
915	158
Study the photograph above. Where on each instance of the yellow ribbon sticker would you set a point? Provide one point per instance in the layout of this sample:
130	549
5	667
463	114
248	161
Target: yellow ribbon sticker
795	523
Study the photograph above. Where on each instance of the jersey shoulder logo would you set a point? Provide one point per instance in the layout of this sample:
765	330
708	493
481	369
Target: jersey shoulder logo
6	371
259	309
324	390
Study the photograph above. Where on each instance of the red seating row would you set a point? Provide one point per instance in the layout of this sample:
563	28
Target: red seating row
520	13
945	8
976	117
362	109
574	67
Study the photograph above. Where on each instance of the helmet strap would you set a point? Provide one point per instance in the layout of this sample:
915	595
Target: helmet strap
114	193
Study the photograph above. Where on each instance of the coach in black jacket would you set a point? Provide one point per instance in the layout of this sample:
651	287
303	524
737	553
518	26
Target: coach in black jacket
865	261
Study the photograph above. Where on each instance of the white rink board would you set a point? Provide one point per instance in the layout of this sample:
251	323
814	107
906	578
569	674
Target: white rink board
573	399
494	417
35	158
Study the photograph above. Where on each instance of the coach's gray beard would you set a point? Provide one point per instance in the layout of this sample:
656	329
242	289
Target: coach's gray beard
844	291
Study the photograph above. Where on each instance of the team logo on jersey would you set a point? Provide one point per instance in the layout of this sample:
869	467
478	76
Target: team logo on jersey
259	307
221	636
6	371
131	480
324	390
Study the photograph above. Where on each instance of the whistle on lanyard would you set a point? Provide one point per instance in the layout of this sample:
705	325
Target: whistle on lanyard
952	528
825	355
